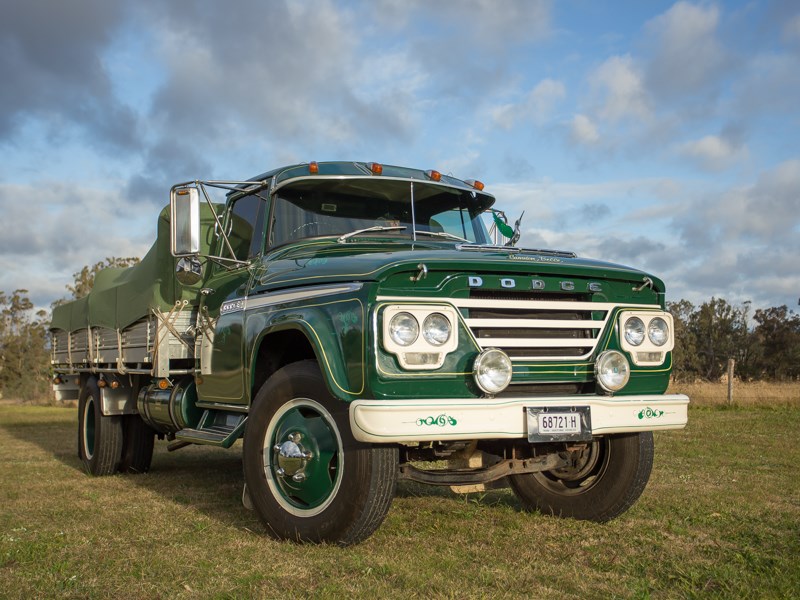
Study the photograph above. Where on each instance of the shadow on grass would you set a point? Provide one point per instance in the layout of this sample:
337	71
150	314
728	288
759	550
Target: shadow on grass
205	478
500	496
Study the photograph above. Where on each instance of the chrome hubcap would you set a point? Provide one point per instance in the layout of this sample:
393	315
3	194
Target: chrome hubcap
292	458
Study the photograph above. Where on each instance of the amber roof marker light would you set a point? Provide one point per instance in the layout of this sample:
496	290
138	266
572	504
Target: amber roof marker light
478	185
376	168
433	175
313	167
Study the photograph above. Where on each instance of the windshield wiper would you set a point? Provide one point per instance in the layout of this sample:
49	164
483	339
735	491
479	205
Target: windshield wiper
443	234
347	236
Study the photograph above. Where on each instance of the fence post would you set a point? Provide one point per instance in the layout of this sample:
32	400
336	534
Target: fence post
730	381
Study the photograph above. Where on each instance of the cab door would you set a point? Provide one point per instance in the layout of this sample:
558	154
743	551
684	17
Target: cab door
222	358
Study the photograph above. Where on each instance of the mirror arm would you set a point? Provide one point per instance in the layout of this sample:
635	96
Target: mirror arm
216	218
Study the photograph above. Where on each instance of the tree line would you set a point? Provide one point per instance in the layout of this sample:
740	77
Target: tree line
24	339
765	343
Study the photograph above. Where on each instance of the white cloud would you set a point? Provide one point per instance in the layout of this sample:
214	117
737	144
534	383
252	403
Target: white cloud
619	83
515	19
686	54
583	130
537	106
767	84
714	153
57	229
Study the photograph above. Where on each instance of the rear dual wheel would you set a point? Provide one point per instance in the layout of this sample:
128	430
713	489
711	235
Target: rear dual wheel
111	443
309	480
99	436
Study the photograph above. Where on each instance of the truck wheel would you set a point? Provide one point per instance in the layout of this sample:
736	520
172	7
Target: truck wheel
137	445
308	478
604	481
99	437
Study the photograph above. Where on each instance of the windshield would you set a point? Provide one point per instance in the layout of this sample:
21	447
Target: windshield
313	208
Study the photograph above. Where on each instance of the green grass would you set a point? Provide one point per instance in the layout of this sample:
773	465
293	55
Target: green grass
720	518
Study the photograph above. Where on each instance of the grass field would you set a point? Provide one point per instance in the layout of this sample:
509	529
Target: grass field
720	517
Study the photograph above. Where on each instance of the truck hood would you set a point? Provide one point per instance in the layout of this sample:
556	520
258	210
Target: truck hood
319	262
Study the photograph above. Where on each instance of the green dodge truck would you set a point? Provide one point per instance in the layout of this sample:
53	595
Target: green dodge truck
357	324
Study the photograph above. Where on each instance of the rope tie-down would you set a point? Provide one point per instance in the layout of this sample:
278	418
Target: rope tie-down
166	325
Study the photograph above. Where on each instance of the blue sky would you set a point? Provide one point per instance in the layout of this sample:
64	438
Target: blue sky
655	134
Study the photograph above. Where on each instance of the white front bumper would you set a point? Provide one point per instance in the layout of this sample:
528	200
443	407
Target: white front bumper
383	421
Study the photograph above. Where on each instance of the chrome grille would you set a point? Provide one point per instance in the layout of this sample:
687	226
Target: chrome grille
530	328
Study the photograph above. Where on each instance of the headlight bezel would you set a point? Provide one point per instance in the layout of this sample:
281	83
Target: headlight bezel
647	353
421	354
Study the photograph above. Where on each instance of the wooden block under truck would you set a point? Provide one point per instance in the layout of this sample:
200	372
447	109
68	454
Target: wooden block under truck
359	324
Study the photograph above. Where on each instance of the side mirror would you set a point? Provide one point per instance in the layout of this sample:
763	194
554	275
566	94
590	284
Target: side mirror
184	222
188	270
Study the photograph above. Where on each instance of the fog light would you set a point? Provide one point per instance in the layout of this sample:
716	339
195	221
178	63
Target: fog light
612	370
493	371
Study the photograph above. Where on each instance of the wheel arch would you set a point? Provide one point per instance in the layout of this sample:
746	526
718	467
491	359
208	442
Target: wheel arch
298	340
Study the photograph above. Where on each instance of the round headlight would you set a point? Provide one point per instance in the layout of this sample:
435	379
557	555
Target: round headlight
658	331
612	370
634	331
436	329
403	329
493	370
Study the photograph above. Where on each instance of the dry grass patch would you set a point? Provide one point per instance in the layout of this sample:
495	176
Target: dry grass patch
719	517
745	394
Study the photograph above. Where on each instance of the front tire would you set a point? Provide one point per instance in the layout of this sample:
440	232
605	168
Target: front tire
604	480
309	480
99	436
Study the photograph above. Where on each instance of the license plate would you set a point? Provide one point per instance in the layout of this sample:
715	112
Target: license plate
559	424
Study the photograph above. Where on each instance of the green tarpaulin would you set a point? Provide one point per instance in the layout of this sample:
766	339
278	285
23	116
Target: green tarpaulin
120	297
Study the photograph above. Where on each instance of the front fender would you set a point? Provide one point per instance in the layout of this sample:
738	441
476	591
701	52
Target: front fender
335	330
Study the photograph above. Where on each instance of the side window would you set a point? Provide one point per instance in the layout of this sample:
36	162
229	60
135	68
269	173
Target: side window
247	226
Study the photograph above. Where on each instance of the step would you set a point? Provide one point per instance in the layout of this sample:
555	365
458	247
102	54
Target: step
216	428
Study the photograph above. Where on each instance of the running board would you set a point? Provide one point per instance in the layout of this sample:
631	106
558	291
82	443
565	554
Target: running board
216	428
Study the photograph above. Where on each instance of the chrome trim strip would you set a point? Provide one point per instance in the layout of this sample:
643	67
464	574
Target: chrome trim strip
546	304
533	323
270	299
465	188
